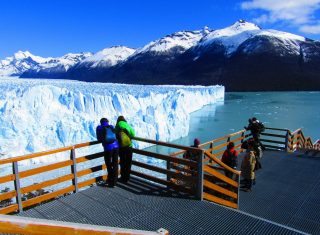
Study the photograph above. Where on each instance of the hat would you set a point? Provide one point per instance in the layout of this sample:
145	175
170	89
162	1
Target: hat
102	120
196	141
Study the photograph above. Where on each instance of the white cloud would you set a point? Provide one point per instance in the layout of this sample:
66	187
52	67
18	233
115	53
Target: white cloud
296	12
312	29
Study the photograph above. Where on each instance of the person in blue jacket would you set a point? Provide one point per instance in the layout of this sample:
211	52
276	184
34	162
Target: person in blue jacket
105	134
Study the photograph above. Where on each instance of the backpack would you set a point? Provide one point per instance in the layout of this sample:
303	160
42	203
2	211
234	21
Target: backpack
261	127
108	136
124	139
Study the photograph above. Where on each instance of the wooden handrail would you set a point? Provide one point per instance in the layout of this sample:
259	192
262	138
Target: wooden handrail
32	226
218	161
296	131
45	153
276	129
164	144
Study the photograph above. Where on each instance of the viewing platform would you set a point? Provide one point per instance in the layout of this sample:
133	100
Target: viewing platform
285	199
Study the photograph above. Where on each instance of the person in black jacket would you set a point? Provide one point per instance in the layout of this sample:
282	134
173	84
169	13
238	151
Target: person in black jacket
256	127
111	150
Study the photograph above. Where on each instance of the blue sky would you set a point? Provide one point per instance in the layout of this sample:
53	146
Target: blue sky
56	27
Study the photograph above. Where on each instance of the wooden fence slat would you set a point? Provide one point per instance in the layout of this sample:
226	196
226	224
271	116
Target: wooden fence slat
220	201
218	146
273	135
221	138
47	183
181	169
8	195
164	171
89	157
220	176
91	170
34	155
273	141
237	139
220	189
92	181
276	129
87	144
219	162
47	196
7	178
42	169
166	157
9	209
164	143
176	187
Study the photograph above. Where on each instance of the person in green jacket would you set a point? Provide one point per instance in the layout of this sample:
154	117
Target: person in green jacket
124	133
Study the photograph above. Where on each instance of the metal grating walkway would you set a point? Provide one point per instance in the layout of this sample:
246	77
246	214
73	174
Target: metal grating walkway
287	191
142	205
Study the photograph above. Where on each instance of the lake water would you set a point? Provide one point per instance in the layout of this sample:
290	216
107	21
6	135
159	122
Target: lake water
291	110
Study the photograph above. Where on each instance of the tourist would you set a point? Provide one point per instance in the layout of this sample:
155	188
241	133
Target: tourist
229	158
255	127
105	134
124	134
248	167
193	154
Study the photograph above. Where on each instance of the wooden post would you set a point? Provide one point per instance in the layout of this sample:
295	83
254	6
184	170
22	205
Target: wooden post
286	141
168	168
74	170
211	146
238	199
17	185
242	137
298	139
199	187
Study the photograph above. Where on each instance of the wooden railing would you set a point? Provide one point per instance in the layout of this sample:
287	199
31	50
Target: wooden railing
296	140
316	145
275	139
77	179
216	186
285	140
32	226
202	179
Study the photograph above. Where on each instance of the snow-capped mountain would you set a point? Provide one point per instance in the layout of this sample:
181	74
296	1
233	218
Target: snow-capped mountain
107	57
19	63
230	37
56	67
177	42
241	57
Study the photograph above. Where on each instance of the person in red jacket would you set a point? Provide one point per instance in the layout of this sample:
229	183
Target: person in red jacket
230	158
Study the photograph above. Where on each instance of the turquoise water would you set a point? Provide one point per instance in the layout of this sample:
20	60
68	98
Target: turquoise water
290	110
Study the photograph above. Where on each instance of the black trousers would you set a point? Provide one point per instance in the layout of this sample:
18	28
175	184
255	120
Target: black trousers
111	160
125	162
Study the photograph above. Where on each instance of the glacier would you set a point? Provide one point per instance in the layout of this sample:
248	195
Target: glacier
39	115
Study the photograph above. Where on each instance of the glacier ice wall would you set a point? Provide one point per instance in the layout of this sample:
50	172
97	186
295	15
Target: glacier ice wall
39	115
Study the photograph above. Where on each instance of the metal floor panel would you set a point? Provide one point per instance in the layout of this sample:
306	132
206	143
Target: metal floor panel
146	206
122	208
287	188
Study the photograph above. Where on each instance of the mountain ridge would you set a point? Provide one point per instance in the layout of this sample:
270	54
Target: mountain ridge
242	57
